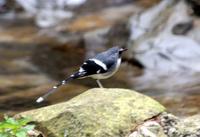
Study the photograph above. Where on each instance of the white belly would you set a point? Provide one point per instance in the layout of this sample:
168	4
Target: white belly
108	74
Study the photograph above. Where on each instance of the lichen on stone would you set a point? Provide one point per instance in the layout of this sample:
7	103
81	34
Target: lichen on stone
97	113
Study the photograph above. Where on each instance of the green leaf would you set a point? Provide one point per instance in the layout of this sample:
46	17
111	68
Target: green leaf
21	134
11	121
5	135
6	125
11	127
29	127
24	121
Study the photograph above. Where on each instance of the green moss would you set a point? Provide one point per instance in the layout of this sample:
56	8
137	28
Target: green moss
97	112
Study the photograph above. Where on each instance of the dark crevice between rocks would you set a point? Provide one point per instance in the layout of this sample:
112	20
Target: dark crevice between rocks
195	6
154	118
43	130
182	28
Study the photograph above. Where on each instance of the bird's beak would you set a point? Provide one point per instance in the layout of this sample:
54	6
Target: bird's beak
123	49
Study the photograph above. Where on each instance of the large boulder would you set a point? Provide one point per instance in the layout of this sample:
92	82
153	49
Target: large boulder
96	113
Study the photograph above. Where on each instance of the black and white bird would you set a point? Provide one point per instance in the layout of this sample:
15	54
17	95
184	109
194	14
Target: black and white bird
102	66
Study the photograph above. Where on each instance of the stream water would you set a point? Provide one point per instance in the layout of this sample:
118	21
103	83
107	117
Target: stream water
33	59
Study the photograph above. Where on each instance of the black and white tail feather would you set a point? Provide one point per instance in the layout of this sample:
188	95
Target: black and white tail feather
102	66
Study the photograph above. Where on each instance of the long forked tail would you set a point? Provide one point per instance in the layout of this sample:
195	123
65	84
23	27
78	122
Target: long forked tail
54	89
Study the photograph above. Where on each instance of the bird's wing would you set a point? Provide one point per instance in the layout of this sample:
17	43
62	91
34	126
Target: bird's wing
95	66
108	58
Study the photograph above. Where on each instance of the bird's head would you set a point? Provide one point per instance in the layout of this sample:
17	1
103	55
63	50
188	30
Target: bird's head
115	51
121	50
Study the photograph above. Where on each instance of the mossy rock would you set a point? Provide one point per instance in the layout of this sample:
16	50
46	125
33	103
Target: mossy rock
96	113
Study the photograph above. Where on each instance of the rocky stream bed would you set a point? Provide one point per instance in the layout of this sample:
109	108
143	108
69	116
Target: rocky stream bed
162	61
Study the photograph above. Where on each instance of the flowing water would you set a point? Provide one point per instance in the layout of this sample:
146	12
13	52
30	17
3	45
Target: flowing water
32	60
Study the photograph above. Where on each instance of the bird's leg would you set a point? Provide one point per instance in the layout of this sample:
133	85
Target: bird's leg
99	83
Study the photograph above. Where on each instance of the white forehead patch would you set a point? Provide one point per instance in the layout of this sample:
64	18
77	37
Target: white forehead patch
98	62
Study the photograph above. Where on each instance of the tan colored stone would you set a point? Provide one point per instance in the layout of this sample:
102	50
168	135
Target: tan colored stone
96	112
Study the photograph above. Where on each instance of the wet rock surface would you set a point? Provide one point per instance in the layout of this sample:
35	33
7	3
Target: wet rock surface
168	125
166	43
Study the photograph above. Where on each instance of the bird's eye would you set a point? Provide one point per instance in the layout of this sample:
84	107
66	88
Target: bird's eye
122	50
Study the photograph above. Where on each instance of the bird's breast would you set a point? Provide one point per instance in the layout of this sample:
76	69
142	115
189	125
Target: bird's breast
110	72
